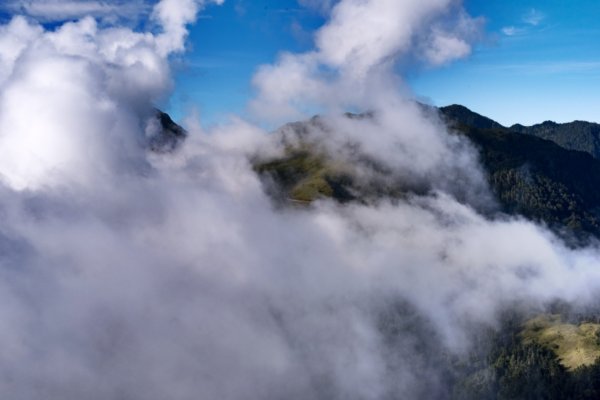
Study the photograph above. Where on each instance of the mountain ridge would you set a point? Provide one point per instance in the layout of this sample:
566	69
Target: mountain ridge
530	176
576	135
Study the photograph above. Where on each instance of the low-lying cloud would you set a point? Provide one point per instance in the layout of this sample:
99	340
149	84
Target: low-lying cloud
131	275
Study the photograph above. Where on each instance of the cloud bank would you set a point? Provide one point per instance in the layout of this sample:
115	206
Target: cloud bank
131	275
109	11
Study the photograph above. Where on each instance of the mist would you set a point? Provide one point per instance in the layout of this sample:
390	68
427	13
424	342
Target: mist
127	274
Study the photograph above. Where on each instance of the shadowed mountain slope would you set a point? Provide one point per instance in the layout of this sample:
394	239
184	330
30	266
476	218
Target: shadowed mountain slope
164	134
540	180
576	135
463	115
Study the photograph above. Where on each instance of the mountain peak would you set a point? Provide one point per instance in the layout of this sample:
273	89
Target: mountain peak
461	115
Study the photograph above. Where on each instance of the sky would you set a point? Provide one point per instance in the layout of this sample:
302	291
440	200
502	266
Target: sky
228	45
532	61
539	61
536	60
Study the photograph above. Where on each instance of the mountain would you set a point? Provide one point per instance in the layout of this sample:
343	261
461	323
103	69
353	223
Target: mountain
540	180
528	356
463	115
168	135
530	176
577	135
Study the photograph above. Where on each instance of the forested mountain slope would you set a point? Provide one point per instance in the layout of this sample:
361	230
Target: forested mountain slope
529	176
576	135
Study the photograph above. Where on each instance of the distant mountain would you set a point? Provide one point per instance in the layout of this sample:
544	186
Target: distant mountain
577	135
539	179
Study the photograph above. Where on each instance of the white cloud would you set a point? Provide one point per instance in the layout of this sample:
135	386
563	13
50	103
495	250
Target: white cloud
364	34
92	73
534	17
444	49
357	46
173	16
513	30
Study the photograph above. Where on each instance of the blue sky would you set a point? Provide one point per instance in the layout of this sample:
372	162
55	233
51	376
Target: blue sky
227	44
538	60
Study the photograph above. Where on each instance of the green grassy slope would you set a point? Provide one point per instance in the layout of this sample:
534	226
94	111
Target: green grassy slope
305	175
576	345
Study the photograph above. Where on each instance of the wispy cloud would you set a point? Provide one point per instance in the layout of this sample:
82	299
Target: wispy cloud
533	17
513	30
530	20
550	68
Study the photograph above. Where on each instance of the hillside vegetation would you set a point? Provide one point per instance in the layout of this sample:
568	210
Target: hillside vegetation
577	135
575	345
529	357
529	176
540	180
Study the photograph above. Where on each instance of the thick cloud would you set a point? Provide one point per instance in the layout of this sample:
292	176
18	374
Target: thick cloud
173	16
128	275
88	88
356	51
